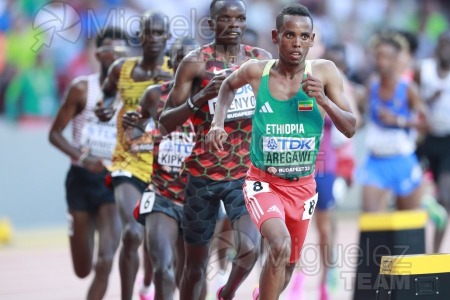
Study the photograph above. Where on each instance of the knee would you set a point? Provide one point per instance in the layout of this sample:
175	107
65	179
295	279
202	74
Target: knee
104	265
131	236
164	272
248	251
280	251
195	269
82	271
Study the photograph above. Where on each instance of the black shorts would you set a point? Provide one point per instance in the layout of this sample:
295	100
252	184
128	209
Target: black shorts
166	206
436	151
137	183
86	191
202	204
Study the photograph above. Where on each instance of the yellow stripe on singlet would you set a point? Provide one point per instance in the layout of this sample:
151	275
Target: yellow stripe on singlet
140	165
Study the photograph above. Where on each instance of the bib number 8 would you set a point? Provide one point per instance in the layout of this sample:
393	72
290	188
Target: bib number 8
255	187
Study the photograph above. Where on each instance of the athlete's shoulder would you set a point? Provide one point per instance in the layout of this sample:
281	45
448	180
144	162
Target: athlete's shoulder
257	53
198	55
254	67
117	65
322	63
154	89
323	68
79	84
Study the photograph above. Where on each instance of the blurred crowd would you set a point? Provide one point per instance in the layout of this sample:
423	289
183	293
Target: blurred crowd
44	45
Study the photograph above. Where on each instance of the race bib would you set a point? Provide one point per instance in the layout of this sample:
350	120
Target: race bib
147	202
173	150
309	207
99	138
388	141
255	187
242	107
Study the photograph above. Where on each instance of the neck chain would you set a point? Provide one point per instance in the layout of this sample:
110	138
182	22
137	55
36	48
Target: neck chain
291	76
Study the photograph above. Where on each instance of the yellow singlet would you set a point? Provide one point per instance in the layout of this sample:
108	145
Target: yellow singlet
139	162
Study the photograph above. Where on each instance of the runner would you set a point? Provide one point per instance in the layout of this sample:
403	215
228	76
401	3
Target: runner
292	96
433	76
214	177
160	209
91	204
392	165
133	158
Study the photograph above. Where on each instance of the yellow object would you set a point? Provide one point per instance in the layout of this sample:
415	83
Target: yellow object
5	231
399	220
139	164
415	264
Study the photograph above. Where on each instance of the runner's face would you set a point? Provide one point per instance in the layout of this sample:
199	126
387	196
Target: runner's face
229	22
294	39
109	51
154	35
386	59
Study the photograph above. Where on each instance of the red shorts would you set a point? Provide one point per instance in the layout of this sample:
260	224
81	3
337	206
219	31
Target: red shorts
268	196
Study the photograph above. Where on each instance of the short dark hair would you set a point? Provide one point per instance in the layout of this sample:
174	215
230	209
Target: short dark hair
411	38
394	39
212	6
293	9
110	33
150	16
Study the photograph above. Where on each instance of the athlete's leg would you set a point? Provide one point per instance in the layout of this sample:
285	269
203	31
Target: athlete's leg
222	243
199	221
108	226
443	185
411	201
147	265
324	222
290	267
194	273
81	241
126	195
273	276
162	235
179	260
247	241
375	199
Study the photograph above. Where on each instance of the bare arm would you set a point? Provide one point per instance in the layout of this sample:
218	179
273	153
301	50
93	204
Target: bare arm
416	103
329	94
74	103
245	74
148	108
109	86
177	109
105	106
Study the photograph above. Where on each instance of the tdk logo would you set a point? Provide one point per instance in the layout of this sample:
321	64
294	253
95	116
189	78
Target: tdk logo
281	144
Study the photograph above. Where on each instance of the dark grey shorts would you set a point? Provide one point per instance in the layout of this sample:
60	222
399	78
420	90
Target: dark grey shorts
202	204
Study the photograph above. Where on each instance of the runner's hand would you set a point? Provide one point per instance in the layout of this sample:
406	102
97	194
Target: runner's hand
131	118
93	164
216	137
313	87
211	90
104	114
387	117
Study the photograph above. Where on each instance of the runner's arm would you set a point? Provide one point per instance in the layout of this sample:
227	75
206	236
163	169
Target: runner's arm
74	103
330	96
245	74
